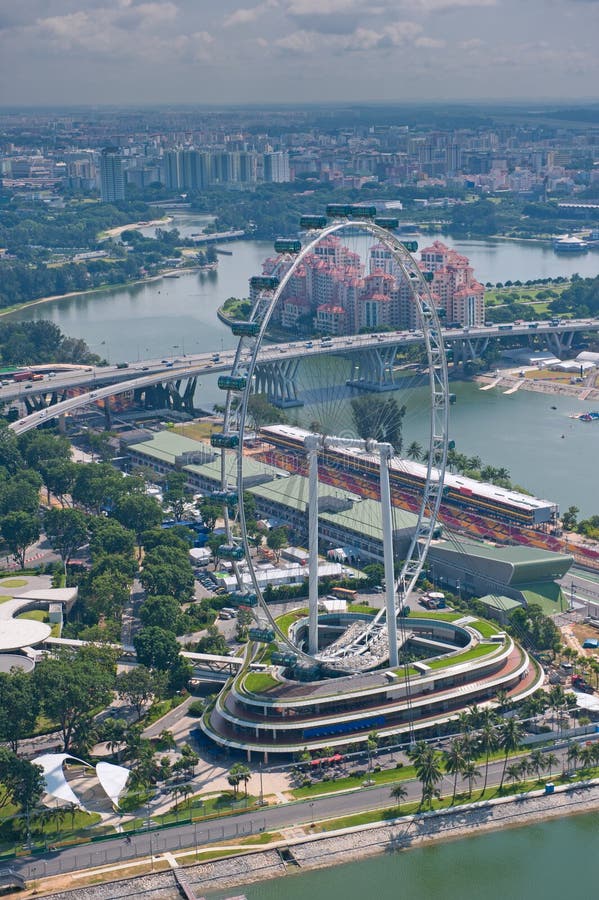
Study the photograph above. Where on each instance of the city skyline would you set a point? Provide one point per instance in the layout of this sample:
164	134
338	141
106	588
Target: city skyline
101	51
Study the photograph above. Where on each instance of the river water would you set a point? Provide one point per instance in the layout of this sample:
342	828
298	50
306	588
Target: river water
547	861
172	316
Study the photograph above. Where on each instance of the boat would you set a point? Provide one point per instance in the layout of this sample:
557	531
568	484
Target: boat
569	243
172	275
591	416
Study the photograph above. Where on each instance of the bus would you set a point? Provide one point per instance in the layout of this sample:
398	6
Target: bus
345	594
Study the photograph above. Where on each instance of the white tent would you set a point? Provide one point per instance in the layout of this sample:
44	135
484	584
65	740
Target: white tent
112	779
54	777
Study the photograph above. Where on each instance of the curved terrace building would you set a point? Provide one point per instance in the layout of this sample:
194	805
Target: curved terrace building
463	660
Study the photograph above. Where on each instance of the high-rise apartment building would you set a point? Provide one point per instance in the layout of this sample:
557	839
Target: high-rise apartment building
276	166
112	181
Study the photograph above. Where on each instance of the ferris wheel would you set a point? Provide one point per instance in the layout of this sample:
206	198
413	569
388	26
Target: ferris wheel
342	447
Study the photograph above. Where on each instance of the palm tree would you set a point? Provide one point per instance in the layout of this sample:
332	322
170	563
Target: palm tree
537	763
551	760
371	746
414	451
573	754
513	772
399	793
427	763
510	736
587	757
470	772
489	741
454	762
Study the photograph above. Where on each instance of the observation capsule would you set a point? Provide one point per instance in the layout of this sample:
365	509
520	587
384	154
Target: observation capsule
388	223
264	282
245	329
231	551
287	245
282	658
243	598
309	223
263	635
232	382
363	212
411	246
339	210
225	441
229	497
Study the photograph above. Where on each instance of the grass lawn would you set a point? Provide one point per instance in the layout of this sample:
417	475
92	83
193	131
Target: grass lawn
387	776
259	682
473	653
197	431
433	614
40	615
195	808
486	629
361	608
4	598
406	809
285	622
13	582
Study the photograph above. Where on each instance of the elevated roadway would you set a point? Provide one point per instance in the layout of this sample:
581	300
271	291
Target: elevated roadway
100	383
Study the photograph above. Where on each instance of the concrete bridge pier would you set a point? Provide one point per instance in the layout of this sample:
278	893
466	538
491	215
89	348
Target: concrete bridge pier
278	380
373	369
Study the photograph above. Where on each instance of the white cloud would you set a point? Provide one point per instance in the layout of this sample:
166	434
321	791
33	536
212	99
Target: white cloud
245	16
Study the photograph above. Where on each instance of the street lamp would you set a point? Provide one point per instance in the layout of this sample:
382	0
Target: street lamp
261	800
150	836
312	814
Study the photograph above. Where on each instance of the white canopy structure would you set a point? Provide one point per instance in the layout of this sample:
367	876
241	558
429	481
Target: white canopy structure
112	779
54	777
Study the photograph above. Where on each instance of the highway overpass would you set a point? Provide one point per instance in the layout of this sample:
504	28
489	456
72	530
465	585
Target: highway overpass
375	353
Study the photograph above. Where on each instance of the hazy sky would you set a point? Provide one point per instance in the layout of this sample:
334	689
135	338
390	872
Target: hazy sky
228	51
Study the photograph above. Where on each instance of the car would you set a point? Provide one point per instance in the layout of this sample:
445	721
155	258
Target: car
144	368
28	387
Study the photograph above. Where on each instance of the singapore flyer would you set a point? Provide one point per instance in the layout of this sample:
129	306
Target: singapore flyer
325	387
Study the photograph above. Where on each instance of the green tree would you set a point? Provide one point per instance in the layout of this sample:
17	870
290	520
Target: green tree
138	513
59	477
399	793
109	537
427	763
73	685
210	512
21	782
19	706
454	762
66	530
213	642
238	773
20	530
156	648
261	412
510	738
489	740
570	518
379	419
276	539
163	611
98	486
414	451
137	686
176	494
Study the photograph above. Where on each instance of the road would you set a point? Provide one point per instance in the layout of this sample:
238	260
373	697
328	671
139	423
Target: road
272	818
190	365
